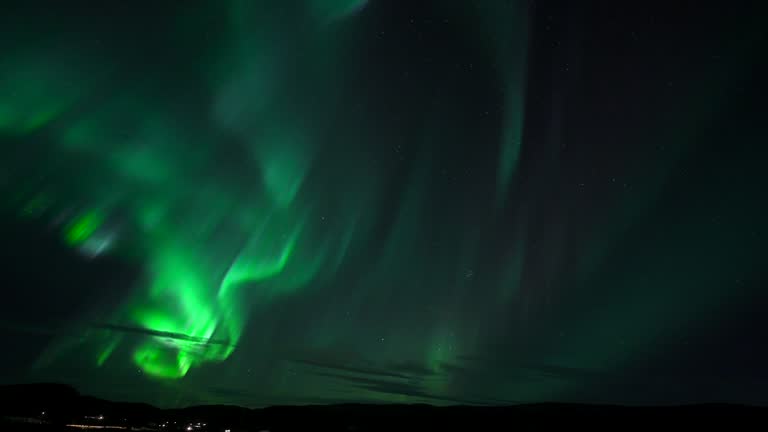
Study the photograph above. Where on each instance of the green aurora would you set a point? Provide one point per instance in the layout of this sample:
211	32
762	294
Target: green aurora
258	169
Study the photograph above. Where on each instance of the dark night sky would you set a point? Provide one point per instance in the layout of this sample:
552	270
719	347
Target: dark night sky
265	202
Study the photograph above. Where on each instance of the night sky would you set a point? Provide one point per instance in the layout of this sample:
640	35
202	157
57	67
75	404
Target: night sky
263	202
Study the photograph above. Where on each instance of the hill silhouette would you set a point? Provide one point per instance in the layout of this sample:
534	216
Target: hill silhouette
54	406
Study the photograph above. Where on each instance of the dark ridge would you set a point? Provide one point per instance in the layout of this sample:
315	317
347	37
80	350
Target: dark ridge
49	407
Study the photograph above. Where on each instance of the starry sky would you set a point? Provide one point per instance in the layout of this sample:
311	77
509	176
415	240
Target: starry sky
263	202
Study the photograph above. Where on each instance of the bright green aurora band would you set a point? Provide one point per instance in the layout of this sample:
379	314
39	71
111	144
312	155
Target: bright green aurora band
269	192
208	247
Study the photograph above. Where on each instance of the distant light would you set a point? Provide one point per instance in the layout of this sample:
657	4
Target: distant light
189	428
227	430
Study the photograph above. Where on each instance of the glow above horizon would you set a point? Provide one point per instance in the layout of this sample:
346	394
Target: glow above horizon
320	211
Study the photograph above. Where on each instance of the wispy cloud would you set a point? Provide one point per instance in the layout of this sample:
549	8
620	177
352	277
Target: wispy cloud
399	379
353	369
163	334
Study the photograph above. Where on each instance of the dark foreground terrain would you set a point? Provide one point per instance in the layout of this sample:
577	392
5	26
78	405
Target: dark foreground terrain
52	407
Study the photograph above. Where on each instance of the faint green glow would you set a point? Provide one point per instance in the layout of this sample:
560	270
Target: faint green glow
442	351
35	89
108	350
328	10
511	144
506	26
37	205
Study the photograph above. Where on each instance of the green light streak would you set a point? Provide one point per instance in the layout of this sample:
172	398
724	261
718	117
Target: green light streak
82	228
107	351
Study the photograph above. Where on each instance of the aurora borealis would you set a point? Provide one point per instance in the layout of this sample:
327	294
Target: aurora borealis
267	202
